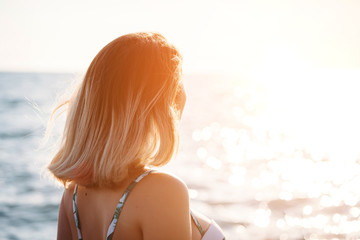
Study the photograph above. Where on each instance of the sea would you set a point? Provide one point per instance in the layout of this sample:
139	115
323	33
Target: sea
267	160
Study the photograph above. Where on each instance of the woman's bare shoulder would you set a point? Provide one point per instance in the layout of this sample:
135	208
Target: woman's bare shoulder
68	192
160	179
67	198
166	197
66	222
159	187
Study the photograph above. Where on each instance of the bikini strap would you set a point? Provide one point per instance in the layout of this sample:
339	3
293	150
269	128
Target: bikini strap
201	230
75	212
121	203
119	207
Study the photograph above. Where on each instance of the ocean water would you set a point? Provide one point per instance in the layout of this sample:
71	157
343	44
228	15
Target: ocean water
263	163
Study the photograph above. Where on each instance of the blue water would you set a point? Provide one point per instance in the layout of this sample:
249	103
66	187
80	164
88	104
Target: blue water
242	171
28	202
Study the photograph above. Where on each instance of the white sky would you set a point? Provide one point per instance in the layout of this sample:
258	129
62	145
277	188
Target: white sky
227	36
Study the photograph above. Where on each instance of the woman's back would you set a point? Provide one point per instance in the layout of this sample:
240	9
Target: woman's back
149	212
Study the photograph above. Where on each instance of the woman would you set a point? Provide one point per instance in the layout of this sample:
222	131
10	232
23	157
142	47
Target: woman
122	121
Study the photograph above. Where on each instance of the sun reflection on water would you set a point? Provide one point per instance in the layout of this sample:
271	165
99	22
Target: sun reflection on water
295	143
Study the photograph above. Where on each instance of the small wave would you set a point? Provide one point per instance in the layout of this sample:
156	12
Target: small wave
13	102
19	134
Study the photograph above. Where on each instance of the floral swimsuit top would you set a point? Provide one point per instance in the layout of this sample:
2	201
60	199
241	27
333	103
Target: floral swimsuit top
213	233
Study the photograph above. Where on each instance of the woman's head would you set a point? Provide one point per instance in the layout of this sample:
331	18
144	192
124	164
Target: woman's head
124	113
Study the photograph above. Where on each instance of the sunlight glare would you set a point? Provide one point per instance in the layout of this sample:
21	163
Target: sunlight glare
262	217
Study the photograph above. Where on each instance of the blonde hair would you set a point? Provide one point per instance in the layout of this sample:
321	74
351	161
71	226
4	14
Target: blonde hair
123	115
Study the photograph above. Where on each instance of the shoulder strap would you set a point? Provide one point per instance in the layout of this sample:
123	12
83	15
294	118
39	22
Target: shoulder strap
121	203
201	230
214	232
75	211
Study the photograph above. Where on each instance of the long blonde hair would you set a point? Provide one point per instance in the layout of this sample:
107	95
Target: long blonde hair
123	115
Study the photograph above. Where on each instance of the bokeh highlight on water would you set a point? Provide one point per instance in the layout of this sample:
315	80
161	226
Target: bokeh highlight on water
257	176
